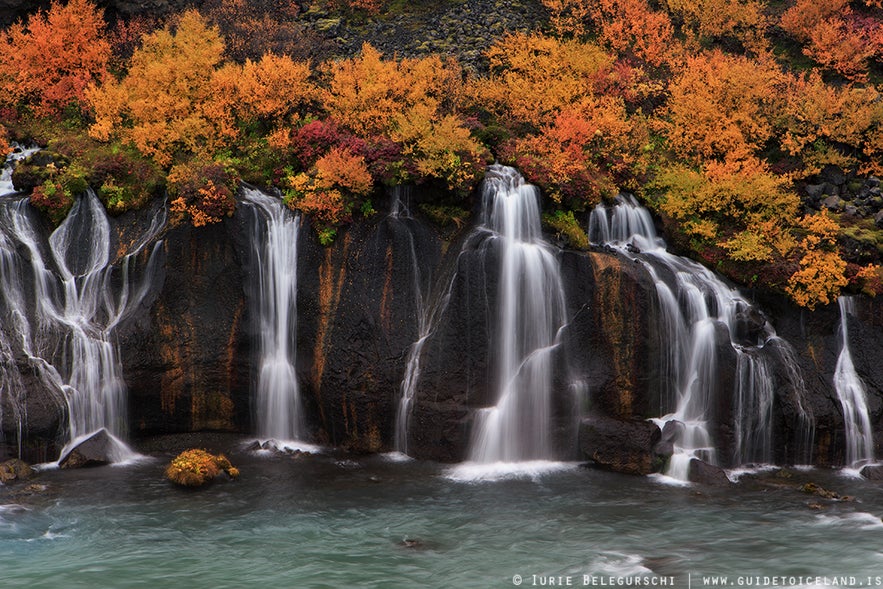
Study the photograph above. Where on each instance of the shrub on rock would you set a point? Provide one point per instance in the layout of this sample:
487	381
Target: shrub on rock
194	468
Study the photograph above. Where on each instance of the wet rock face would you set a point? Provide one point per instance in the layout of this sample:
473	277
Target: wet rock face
185	353
359	302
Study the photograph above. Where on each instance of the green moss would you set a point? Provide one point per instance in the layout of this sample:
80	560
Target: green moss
445	216
568	229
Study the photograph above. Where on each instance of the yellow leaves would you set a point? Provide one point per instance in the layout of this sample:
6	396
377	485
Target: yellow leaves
817	116
624	26
440	148
707	20
819	279
534	77
723	105
166	93
732	200
822	271
367	93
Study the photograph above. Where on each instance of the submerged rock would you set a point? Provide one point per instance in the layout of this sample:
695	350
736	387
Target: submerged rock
873	472
620	445
814	489
15	469
704	473
96	450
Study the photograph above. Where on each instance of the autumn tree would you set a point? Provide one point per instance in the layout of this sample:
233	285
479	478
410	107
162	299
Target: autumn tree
836	36
821	272
626	27
737	204
825	124
723	106
161	104
711	21
272	93
414	103
591	150
534	77
565	104
367	93
48	62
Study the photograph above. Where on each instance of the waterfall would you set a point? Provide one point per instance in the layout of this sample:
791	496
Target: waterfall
696	308
19	153
279	409
853	396
74	303
530	315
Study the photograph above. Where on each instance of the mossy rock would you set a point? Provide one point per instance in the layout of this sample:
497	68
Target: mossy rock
195	468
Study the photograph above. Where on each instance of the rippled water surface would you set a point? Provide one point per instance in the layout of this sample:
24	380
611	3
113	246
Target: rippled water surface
327	521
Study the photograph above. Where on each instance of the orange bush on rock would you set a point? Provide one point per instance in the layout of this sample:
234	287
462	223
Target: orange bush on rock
202	192
48	62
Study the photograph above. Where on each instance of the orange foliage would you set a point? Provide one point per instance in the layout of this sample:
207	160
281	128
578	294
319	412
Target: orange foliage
722	105
712	20
274	91
166	96
326	191
441	148
534	77
834	36
49	62
202	192
5	148
590	151
822	271
627	27
727	199
368	93
818	118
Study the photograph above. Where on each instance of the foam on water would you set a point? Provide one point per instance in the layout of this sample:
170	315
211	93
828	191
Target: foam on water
475	472
860	520
285	446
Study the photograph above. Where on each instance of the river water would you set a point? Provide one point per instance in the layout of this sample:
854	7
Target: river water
326	520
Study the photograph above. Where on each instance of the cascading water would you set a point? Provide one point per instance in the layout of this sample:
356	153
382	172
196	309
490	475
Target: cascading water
67	333
427	321
531	314
853	396
694	303
279	408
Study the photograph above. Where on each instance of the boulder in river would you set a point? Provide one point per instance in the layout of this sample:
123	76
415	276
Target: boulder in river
96	450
